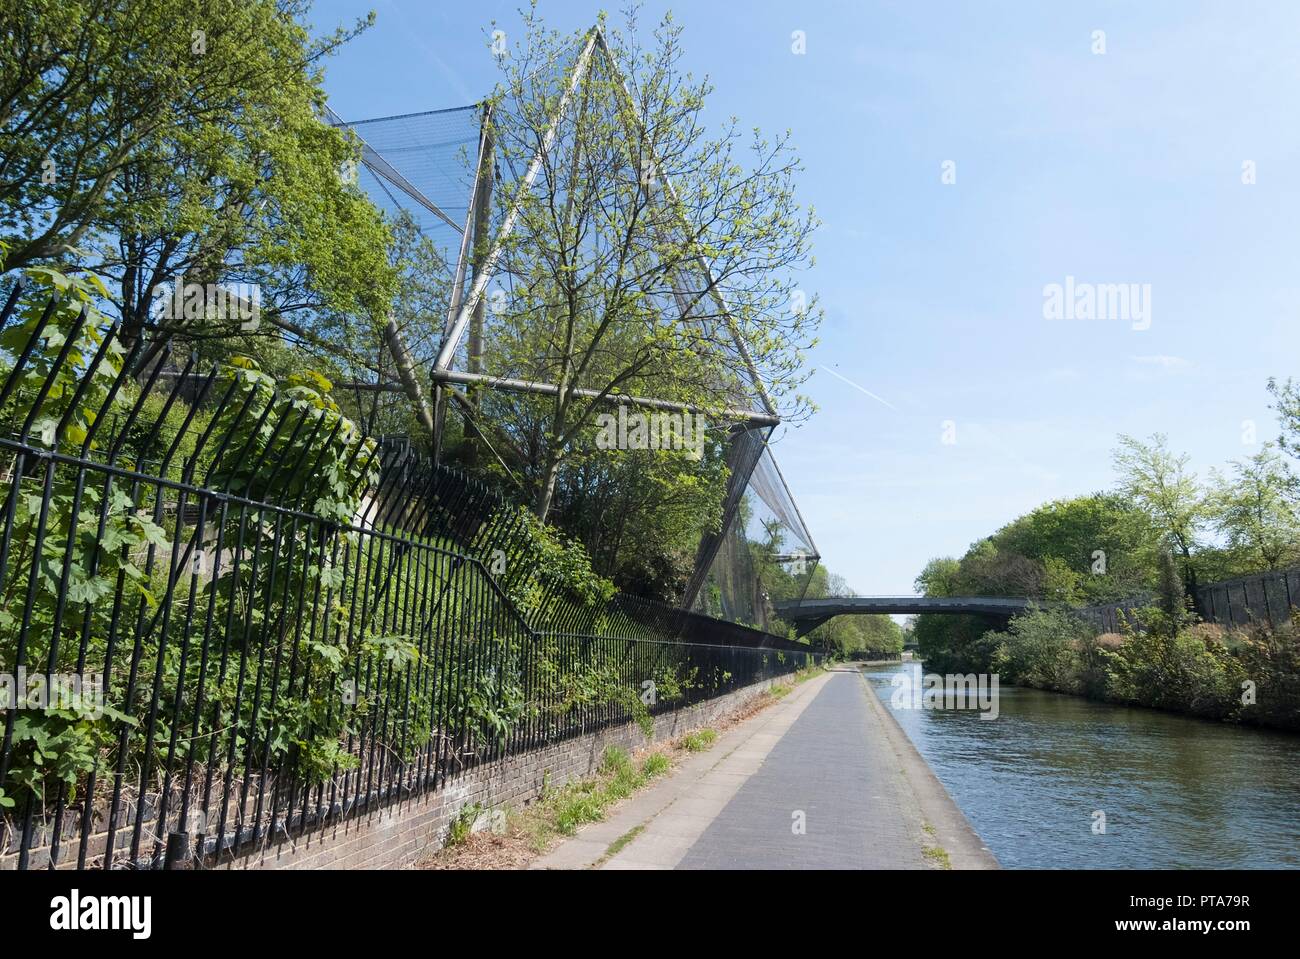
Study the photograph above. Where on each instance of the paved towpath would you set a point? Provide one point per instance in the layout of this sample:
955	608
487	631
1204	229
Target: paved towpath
824	779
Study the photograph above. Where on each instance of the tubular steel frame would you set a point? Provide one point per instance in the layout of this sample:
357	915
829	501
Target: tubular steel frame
443	376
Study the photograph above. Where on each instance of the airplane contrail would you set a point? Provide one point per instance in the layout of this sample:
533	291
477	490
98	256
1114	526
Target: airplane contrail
862	389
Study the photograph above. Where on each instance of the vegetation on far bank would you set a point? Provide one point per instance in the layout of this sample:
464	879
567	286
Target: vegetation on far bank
1158	537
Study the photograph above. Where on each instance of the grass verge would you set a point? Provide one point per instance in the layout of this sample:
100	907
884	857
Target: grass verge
526	833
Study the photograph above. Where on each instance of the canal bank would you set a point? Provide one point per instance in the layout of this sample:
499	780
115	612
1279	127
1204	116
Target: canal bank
948	825
824	779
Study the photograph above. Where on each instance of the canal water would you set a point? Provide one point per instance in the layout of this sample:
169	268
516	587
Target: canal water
1176	792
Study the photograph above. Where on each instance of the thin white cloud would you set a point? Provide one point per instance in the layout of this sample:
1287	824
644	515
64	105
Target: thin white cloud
1163	362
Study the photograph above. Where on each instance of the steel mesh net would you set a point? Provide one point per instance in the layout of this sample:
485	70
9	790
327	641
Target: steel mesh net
423	164
764	552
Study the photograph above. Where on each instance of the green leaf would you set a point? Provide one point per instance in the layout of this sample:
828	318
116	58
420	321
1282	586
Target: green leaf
98	285
311	378
152	532
149	597
87	589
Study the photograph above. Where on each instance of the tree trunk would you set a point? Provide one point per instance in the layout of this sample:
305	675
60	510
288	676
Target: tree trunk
546	491
406	373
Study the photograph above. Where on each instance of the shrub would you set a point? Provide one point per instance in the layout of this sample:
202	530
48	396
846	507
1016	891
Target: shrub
1270	658
1045	648
699	740
548	577
105	565
656	764
1184	673
1200	669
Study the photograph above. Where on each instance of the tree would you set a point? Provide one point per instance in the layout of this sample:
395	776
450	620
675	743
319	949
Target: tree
641	513
1286	401
151	140
1171	600
1094	549
1254	511
837	585
1158	482
989	571
613	280
396	352
881	636
939	578
871	636
1060	583
1083	550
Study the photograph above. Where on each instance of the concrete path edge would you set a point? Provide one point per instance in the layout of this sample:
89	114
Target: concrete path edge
952	830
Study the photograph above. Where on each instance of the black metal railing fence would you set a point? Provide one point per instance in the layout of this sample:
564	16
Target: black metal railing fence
226	615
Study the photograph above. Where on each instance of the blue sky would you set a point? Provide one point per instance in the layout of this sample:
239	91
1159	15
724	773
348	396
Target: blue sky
1122	167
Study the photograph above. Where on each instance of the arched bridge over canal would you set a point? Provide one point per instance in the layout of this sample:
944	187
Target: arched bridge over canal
808	614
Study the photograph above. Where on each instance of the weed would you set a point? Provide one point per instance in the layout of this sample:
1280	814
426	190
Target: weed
656	764
699	740
937	854
463	825
621	842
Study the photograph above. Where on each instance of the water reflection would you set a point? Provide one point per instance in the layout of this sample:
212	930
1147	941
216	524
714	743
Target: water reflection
1176	792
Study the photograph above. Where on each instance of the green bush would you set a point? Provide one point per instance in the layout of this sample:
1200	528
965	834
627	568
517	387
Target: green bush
548	577
1042	648
956	643
1270	659
1184	673
1194	670
106	547
699	741
656	764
